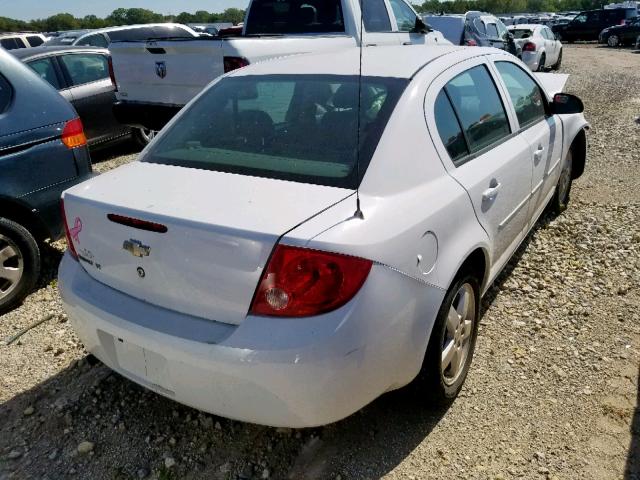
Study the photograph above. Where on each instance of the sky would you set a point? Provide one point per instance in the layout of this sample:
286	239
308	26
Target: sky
30	9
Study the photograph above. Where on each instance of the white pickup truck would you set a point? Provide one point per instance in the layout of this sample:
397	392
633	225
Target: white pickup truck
154	79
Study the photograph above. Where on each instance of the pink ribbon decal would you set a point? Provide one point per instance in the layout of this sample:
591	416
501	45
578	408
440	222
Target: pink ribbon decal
77	228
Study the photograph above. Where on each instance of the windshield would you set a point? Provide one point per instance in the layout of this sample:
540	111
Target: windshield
295	16
519	33
291	127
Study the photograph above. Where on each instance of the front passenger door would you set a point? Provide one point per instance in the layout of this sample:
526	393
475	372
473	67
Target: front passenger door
475	142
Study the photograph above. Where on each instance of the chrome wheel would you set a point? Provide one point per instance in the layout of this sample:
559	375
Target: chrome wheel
11	266
564	183
457	335
613	41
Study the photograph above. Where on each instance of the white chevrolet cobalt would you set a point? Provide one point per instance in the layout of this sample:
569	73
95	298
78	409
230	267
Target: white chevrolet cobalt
301	239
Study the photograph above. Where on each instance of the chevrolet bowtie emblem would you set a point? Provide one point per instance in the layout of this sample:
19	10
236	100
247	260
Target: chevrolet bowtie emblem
136	248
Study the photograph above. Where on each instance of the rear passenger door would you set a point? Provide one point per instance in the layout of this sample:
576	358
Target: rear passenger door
92	94
541	130
470	127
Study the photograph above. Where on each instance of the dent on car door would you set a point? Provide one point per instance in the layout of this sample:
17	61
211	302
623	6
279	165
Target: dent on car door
473	137
93	94
542	131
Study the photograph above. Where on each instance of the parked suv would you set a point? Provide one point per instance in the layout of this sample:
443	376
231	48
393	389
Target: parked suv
42	152
588	25
104	36
14	41
619	35
475	29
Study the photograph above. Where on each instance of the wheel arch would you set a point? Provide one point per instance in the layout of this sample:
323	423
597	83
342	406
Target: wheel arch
24	215
476	261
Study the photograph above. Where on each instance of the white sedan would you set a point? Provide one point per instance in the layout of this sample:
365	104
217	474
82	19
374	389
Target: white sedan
275	257
540	48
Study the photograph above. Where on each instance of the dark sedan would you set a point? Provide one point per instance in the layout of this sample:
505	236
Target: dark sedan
43	151
620	35
81	75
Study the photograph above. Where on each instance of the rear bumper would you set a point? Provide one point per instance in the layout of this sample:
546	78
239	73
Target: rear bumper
144	115
280	372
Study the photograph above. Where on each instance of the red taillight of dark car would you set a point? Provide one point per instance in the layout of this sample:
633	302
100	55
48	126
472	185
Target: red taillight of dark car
471	43
529	47
73	134
300	282
234	63
67	232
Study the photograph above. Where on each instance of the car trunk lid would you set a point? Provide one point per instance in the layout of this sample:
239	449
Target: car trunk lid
220	231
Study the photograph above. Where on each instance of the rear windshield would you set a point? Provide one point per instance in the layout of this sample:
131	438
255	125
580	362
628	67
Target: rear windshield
520	33
302	128
295	16
63	40
451	28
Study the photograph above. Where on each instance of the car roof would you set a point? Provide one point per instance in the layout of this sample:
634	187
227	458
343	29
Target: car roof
23	53
389	61
136	26
530	26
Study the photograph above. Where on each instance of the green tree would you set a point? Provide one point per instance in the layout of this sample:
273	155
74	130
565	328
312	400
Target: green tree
234	15
61	21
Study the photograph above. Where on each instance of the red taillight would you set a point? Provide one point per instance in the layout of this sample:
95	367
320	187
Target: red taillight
72	248
299	282
529	47
471	43
233	63
73	134
112	74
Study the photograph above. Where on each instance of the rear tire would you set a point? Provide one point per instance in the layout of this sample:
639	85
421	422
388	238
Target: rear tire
19	263
613	41
541	64
560	200
453	339
557	65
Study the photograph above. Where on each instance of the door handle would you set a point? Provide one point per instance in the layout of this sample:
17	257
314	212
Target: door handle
537	155
491	193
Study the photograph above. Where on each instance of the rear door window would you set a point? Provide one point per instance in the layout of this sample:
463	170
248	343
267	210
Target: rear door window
85	67
291	127
45	69
405	16
35	41
492	30
479	24
376	17
449	128
294	16
525	94
6	93
479	108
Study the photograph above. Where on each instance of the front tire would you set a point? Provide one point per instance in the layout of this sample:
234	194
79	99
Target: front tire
452	341
613	41
560	200
557	65
19	263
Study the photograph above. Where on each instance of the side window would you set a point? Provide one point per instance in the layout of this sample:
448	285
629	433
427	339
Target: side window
85	68
492	30
5	94
405	16
479	24
478	105
376	17
524	92
502	30
449	128
35	41
582	18
45	70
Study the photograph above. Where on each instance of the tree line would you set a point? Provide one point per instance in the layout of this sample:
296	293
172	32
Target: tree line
120	16
509	6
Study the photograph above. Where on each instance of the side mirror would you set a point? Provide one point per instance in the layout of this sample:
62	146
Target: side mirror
564	103
421	27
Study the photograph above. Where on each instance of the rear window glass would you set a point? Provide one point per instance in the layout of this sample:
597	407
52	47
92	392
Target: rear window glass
66	40
12	43
35	41
302	128
5	94
520	33
451	28
295	16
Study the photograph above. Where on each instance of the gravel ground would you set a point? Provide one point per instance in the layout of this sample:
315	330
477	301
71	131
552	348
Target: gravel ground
552	393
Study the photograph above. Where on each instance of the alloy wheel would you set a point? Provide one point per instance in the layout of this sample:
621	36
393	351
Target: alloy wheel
613	41
458	332
11	266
